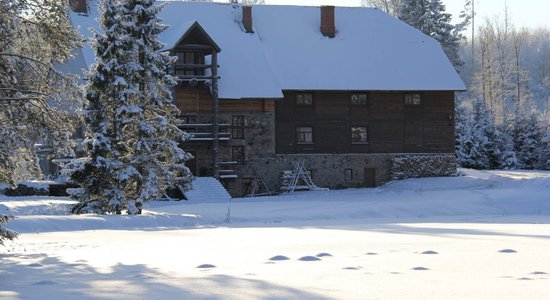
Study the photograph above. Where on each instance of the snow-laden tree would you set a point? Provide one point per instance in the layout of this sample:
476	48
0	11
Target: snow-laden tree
102	175
6	234
429	16
476	141
505	143
133	143
150	127
34	35
528	139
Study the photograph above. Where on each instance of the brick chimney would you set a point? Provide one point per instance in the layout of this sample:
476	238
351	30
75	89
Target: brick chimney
327	21
247	18
79	6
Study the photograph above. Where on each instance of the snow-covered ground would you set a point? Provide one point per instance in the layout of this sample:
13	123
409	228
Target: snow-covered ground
485	235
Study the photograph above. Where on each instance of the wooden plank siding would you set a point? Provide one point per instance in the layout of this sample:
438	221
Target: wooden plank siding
199	100
393	127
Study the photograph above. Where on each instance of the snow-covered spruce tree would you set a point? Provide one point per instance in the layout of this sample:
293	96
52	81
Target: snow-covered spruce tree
429	16
528	139
103	176
150	118
476	141
505	143
6	234
31	90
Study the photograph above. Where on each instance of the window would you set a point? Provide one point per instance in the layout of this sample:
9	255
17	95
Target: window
413	99
237	154
304	135
359	99
304	99
237	127
348	175
359	135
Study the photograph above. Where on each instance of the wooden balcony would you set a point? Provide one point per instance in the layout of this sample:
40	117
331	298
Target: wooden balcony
202	132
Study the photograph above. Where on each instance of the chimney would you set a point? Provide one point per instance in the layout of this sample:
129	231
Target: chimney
79	6
247	18
327	21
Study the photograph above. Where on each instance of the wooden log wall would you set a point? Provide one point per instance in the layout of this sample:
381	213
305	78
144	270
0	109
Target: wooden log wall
393	127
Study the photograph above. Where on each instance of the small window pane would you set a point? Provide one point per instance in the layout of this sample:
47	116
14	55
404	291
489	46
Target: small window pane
413	99
304	99
359	134
237	133
304	135
237	121
359	99
348	175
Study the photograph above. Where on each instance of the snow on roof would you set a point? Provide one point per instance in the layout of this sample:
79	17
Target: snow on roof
371	51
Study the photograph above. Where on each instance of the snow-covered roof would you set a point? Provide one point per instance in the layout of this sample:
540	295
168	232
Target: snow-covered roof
371	51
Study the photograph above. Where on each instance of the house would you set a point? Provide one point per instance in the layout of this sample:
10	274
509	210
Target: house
356	94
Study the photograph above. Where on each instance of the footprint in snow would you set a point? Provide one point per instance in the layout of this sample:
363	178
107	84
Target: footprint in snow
279	258
507	251
539	273
352	268
44	282
142	276
323	254
309	258
430	252
206	266
35	265
420	269
372	253
524	278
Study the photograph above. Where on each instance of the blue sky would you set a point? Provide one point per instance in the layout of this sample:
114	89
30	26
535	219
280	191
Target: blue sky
524	13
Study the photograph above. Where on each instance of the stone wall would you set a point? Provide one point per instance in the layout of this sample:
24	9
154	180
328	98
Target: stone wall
328	170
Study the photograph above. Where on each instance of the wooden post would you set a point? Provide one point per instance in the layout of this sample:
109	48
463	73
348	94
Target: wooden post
215	117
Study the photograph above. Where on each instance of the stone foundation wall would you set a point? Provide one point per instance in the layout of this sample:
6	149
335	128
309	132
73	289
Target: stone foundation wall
328	170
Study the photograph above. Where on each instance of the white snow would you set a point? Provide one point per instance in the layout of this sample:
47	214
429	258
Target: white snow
371	50
484	235
207	189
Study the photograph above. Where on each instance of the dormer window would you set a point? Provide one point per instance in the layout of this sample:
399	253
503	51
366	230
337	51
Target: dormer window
189	62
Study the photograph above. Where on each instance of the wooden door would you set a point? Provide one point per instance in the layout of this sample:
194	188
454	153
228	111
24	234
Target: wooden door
370	177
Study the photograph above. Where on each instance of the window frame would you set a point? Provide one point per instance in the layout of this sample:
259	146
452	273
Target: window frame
361	104
304	104
237	130
366	135
412	102
298	142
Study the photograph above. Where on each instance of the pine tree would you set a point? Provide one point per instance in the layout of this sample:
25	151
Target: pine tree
528	136
476	141
505	143
102	175
151	129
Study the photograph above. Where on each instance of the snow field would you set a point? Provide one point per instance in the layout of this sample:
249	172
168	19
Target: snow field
484	235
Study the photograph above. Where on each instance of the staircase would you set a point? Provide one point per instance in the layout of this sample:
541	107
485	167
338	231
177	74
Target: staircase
207	189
